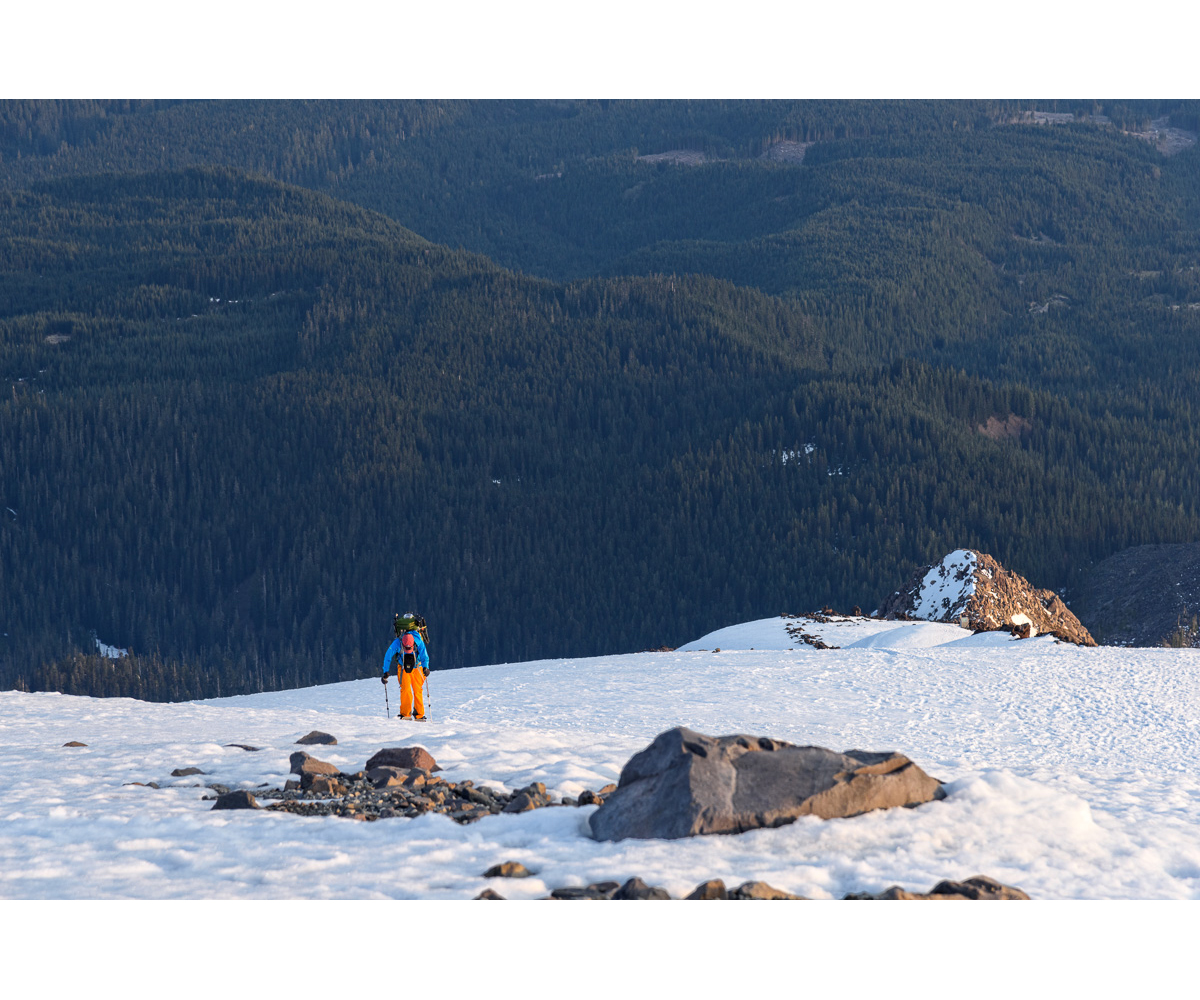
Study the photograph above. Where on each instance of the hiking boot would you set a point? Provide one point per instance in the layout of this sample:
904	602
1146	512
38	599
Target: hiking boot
418	718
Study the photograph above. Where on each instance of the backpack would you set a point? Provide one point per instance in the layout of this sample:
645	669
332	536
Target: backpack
409	622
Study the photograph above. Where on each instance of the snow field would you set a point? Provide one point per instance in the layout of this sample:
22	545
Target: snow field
1069	770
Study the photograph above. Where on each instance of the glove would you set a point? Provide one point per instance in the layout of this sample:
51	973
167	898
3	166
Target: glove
384	678
426	671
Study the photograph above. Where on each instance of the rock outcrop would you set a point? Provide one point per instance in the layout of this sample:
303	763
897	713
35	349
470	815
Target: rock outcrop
685	784
1148	595
972	589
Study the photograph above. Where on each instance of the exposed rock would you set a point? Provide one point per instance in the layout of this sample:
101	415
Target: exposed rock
244	746
635	888
972	589
389	777
322	784
597	890
686	783
760	890
74	743
219	789
236	800
979	887
714	888
404	757
184	772
142	784
607	789
302	764
508	869
1148	595
316	736
531	797
489	894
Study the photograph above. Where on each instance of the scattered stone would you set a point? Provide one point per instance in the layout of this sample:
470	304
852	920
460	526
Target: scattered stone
290	784
607	789
323	784
386	777
508	869
569	801
589	798
635	888
219	789
244	746
404	758
979	887
760	890
303	764
489	894
714	888
236	800
686	783
531	797
74	743
597	890
142	784
316	736
184	772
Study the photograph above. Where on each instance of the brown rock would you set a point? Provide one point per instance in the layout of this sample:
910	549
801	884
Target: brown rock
597	890
236	800
979	887
315	737
322	784
303	764
531	797
508	869
635	888
74	743
760	890
686	783
972	589
244	746
489	894
184	772
404	757
390	777
607	789
714	888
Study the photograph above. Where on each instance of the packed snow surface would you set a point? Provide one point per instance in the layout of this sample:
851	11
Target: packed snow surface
1070	773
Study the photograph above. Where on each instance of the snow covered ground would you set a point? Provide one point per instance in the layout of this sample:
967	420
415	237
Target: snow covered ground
1071	773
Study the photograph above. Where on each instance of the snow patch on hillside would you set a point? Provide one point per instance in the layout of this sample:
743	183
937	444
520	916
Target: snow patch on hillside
947	587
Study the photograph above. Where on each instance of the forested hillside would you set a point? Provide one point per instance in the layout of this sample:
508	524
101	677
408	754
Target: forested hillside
248	421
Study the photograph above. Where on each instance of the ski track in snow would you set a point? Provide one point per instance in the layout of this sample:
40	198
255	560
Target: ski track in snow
1070	773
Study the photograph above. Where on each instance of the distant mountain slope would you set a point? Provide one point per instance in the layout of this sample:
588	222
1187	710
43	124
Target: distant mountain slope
245	422
1148	595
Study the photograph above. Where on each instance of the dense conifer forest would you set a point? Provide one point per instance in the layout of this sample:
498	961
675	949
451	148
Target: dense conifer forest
274	371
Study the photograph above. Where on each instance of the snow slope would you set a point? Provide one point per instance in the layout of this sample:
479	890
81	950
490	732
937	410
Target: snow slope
1071	774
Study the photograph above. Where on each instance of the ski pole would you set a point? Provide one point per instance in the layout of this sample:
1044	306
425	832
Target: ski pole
386	703
427	701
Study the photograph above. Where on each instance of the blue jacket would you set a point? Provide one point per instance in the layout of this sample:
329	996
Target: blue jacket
396	649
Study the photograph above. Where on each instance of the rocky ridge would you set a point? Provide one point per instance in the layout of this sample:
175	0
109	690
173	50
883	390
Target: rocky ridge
1147	595
972	589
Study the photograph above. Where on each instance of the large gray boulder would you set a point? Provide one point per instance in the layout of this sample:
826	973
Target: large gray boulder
686	783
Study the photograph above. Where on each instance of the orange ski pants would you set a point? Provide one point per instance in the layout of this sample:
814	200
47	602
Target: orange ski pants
412	692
